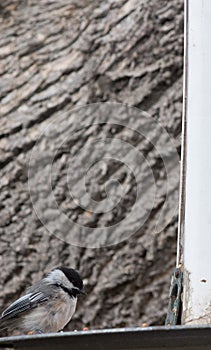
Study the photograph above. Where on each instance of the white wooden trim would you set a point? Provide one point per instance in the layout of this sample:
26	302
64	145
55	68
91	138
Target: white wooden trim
197	223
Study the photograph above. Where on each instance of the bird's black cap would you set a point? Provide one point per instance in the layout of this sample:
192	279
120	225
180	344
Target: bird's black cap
73	276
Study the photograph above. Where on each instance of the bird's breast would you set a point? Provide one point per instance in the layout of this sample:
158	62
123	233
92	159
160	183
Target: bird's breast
62	312
51	316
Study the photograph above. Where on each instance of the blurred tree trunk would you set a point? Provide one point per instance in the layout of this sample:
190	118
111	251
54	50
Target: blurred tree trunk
56	55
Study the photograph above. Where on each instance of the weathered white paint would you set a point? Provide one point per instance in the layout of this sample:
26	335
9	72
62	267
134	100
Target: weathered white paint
197	223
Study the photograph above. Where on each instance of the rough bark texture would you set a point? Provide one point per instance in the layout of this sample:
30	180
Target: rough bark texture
59	54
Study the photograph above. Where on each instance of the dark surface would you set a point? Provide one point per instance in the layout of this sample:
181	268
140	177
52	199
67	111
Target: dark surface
195	338
56	55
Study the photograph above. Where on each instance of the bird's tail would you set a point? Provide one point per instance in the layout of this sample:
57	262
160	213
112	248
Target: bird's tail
2	325
6	325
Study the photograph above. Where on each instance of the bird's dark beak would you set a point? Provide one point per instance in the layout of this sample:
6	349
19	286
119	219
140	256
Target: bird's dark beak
82	291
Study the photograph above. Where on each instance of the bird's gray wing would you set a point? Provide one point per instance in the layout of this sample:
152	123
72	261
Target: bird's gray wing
27	302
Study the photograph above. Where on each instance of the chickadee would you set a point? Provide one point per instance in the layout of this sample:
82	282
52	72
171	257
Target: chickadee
47	306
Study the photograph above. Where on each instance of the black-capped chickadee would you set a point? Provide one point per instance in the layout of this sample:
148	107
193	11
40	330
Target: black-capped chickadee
47	306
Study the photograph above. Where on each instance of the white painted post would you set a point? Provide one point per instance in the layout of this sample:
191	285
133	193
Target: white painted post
197	165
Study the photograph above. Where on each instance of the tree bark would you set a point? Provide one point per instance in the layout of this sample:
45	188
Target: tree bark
56	55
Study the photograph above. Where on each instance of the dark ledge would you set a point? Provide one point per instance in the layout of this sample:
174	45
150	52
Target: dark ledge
178	337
